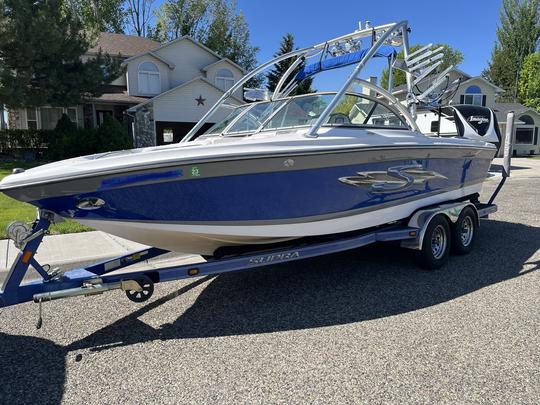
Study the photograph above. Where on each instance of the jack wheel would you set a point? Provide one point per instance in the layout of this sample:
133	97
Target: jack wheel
436	244
464	232
147	290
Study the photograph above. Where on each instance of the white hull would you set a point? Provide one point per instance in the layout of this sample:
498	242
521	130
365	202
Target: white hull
205	239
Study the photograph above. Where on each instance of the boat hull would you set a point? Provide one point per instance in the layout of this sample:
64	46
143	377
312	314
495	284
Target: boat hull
200	207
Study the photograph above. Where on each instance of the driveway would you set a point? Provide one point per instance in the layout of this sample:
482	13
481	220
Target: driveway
365	326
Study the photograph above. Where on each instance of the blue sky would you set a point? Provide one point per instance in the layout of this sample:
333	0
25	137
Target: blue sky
468	25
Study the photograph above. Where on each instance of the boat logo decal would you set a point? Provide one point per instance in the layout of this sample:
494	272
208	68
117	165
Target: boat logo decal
288	163
396	178
478	119
140	178
90	203
274	258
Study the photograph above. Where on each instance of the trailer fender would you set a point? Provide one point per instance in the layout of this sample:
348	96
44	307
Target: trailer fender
421	219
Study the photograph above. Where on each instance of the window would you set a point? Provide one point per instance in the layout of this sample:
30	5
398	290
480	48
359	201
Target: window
300	111
525	132
149	81
526	119
49	116
473	95
524	136
72	114
224	79
31	118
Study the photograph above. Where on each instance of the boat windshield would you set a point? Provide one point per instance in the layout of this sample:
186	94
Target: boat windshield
255	117
354	110
218	127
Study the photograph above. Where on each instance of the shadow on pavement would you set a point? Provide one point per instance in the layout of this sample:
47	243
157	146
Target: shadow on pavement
337	289
355	286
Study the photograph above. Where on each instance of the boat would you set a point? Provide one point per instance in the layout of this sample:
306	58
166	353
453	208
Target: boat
277	169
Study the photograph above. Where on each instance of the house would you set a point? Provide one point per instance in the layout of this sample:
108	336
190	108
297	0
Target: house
476	90
114	101
165	90
181	81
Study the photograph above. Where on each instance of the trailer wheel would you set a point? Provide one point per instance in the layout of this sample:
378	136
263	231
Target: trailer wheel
147	290
464	232
436	244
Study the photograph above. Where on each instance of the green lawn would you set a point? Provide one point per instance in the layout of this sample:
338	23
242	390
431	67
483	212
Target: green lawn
12	210
535	157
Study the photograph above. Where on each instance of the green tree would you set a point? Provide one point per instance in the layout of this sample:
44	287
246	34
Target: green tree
529	81
41	49
177	18
215	23
517	37
228	34
274	75
452	57
100	15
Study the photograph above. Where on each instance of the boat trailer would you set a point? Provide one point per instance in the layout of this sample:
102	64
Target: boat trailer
419	233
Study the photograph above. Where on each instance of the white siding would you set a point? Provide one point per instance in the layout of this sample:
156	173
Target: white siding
188	58
181	106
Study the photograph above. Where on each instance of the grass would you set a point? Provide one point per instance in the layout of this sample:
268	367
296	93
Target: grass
13	210
535	157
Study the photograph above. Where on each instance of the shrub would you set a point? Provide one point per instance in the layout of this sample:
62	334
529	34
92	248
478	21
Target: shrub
66	140
111	135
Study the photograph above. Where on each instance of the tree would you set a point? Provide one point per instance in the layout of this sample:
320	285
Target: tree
215	23
139	14
177	18
517	37
529	81
100	15
452	57
41	49
228	34
273	77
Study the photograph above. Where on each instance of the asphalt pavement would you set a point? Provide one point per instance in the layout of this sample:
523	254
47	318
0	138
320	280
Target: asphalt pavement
365	326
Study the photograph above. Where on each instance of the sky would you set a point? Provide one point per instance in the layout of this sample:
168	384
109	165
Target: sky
469	25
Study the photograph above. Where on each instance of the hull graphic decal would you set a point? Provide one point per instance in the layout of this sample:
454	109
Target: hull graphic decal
396	178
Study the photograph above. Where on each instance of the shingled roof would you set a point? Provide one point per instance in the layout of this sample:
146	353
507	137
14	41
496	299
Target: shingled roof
125	45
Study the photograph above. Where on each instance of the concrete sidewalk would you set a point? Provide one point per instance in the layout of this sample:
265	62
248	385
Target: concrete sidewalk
80	249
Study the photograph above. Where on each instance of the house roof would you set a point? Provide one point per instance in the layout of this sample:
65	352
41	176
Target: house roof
223	60
201	78
502	109
125	45
185	38
117	95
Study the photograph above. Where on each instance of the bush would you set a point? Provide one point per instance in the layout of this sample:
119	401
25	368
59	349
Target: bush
11	139
71	141
111	135
66	140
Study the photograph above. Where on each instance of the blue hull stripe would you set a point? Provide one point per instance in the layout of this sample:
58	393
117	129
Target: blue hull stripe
262	196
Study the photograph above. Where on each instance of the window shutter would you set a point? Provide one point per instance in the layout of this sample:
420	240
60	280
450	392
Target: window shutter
462	99
484	100
535	136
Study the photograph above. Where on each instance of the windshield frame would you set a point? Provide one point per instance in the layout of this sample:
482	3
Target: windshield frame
261	128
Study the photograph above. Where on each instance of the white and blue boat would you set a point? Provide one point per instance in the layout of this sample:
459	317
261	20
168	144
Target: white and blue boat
277	169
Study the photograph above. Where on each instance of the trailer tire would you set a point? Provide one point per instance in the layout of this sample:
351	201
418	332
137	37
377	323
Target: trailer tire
464	232
436	243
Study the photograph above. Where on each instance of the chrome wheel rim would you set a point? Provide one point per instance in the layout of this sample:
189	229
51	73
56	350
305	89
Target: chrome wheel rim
467	231
438	242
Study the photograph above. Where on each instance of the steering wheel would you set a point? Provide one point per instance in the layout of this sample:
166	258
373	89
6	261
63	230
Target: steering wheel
339	119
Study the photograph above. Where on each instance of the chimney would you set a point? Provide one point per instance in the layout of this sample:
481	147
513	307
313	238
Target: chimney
371	79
